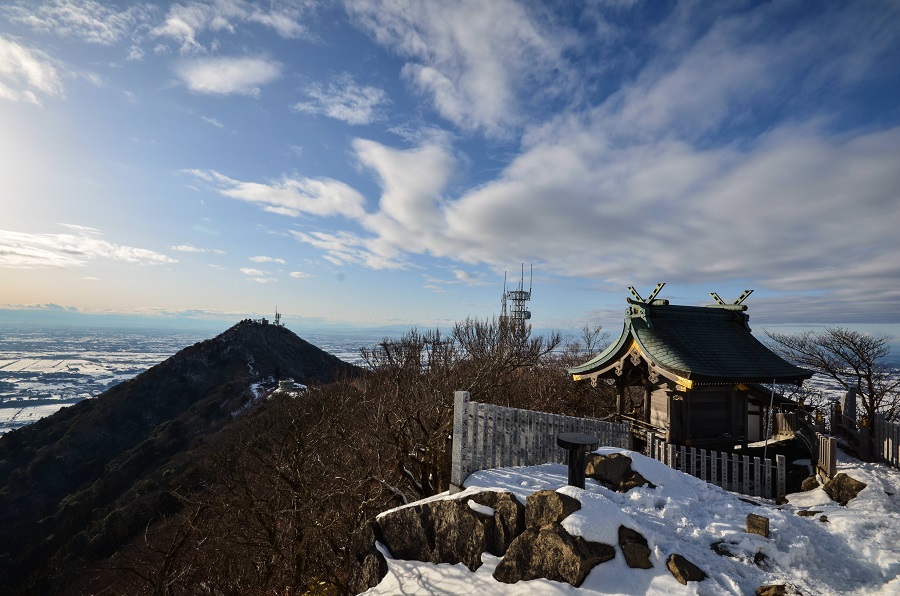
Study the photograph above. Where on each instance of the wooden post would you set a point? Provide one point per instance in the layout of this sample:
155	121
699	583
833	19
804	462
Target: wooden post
780	461
647	393
461	457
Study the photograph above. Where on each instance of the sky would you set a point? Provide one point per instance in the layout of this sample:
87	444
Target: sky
370	163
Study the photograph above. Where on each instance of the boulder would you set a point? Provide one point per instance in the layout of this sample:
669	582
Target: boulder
843	488
547	507
551	552
808	512
450	531
809	483
408	534
772	590
635	548
683	570
457	533
507	523
368	567
614	471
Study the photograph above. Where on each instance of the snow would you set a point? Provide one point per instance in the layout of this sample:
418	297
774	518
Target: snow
857	551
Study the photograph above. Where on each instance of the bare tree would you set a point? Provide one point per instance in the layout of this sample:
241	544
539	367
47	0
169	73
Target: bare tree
855	360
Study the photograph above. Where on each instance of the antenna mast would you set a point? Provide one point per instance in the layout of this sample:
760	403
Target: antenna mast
514	303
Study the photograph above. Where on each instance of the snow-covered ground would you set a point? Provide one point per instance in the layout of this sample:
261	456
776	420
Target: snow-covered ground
856	551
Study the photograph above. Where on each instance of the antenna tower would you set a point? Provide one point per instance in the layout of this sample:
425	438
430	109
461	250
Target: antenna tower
514	308
277	317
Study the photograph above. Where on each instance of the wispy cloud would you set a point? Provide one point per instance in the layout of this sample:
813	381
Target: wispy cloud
300	275
290	196
212	121
472	58
194	249
264	259
344	100
91	21
227	76
257	275
25	250
27	74
185	22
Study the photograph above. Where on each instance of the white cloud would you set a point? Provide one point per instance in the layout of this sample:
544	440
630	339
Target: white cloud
344	100
194	249
254	272
300	275
25	74
92	21
226	76
185	22
472	58
26	251
263	259
212	121
292	197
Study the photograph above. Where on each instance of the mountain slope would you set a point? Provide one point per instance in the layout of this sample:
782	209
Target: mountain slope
63	478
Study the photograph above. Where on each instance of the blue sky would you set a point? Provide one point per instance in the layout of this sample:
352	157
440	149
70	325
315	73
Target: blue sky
383	163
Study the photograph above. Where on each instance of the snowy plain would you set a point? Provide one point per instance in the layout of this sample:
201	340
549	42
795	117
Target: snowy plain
856	551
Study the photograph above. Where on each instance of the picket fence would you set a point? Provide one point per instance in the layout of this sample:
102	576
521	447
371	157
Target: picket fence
737	473
887	441
486	436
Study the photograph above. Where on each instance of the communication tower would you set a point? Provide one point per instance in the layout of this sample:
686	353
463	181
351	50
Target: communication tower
514	307
277	317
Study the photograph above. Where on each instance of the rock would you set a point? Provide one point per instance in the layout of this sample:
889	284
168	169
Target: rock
635	548
552	553
457	533
683	570
843	488
824	519
808	484
807	513
368	567
776	590
507	523
369	574
758	524
546	507
407	534
614	471
449	531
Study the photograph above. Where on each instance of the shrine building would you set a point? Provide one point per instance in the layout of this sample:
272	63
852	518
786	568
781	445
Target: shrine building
700	368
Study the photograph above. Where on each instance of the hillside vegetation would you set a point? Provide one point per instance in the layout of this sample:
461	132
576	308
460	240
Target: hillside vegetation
181	480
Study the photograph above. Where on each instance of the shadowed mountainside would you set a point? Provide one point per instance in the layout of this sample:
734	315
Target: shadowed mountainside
77	485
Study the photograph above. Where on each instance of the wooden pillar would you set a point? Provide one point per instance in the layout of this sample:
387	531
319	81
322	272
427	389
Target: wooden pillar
648	389
620	399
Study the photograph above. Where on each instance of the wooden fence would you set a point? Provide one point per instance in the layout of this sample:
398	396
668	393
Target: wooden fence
785	424
737	473
826	455
487	436
887	441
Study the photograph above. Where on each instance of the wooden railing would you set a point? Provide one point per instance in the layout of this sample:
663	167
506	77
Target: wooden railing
826	456
887	441
737	473
487	436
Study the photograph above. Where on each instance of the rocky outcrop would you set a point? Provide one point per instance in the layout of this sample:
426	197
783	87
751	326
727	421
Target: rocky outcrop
545	549
614	471
369	567
843	488
552	553
452	531
683	570
546	507
634	548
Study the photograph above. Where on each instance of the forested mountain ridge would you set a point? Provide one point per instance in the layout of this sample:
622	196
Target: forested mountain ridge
76	486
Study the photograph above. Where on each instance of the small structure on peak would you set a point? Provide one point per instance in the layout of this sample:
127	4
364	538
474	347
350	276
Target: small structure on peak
700	369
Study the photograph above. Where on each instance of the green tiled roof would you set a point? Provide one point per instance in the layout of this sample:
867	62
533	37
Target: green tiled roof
704	344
